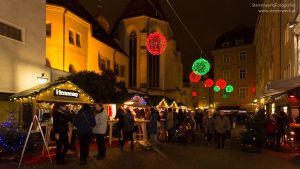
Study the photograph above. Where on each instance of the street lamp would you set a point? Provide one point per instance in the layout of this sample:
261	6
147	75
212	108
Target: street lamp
42	79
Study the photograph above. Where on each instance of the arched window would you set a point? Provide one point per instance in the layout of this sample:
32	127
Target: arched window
133	59
153	70
72	69
48	63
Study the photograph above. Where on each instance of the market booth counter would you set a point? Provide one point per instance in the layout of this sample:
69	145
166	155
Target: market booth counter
39	101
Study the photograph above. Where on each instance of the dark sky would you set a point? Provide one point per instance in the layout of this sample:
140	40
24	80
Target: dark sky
206	19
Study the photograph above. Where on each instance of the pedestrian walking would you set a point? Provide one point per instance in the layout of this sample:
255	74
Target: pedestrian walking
282	123
271	130
70	116
84	121
100	130
208	124
170	123
128	128
60	130
222	126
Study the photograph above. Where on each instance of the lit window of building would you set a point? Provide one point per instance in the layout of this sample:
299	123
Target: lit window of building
48	30
243	56
71	37
226	75
78	43
242	74
239	42
225	44
10	32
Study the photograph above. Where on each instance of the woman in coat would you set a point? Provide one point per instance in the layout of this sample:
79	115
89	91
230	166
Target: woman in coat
60	129
222	126
100	130
84	121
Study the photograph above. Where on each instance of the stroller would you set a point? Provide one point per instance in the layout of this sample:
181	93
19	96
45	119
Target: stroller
182	133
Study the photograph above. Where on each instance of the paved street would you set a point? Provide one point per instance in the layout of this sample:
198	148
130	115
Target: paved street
178	156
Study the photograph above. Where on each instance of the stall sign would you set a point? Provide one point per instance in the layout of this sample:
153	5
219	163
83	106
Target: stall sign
66	93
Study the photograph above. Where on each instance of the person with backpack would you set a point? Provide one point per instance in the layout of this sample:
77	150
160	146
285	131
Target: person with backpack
100	130
84	121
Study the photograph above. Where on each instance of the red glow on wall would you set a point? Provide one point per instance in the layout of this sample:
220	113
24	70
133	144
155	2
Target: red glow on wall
221	83
156	43
194	78
209	83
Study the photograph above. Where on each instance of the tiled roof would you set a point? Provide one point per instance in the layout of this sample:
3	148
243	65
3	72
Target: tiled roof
98	32
245	33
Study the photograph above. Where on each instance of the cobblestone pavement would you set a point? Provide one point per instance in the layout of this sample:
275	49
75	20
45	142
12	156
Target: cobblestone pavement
177	156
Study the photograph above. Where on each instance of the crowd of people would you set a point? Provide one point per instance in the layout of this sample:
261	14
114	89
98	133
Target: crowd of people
167	125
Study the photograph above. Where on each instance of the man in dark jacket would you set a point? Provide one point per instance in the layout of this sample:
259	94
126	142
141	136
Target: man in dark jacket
120	124
84	121
128	128
60	129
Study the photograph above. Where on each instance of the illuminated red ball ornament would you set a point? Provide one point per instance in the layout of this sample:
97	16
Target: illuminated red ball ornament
194	94
194	78
221	83
156	43
209	83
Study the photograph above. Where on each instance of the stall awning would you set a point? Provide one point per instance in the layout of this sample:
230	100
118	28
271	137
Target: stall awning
276	87
59	91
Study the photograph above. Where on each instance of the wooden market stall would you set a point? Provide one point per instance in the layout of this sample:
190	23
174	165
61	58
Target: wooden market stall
40	99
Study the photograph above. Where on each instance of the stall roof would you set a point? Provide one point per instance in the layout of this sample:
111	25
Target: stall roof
278	87
43	92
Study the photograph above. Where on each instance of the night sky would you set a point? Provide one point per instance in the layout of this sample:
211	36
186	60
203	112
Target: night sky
206	19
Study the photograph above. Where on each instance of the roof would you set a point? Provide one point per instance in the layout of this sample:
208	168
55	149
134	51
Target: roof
150	8
98	32
241	32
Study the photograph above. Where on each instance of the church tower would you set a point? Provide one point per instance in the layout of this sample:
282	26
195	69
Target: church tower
157	75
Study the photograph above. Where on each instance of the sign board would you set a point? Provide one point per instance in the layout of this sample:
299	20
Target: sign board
66	93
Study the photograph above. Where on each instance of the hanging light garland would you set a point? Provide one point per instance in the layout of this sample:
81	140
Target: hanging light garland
229	89
201	67
209	83
221	83
217	89
194	78
156	43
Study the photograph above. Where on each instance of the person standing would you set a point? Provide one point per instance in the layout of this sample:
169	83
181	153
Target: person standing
271	128
120	123
154	120
222	126
128	128
84	121
208	124
170	123
282	123
60	129
71	115
100	130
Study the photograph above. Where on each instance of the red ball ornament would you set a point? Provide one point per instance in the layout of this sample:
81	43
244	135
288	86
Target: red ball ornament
194	94
209	83
194	78
221	83
156	43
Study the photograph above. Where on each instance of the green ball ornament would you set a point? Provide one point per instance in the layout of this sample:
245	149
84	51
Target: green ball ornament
201	67
217	89
229	89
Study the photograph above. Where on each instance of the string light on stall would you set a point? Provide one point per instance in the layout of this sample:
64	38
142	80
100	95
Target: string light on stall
194	78
221	83
156	43
201	67
209	83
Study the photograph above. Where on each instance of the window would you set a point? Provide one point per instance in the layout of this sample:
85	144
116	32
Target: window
226	75
71	37
225	44
78	44
286	34
226	58
101	62
239	42
133	59
10	32
242	74
122	71
48	30
117	70
242	92
108	64
243	56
